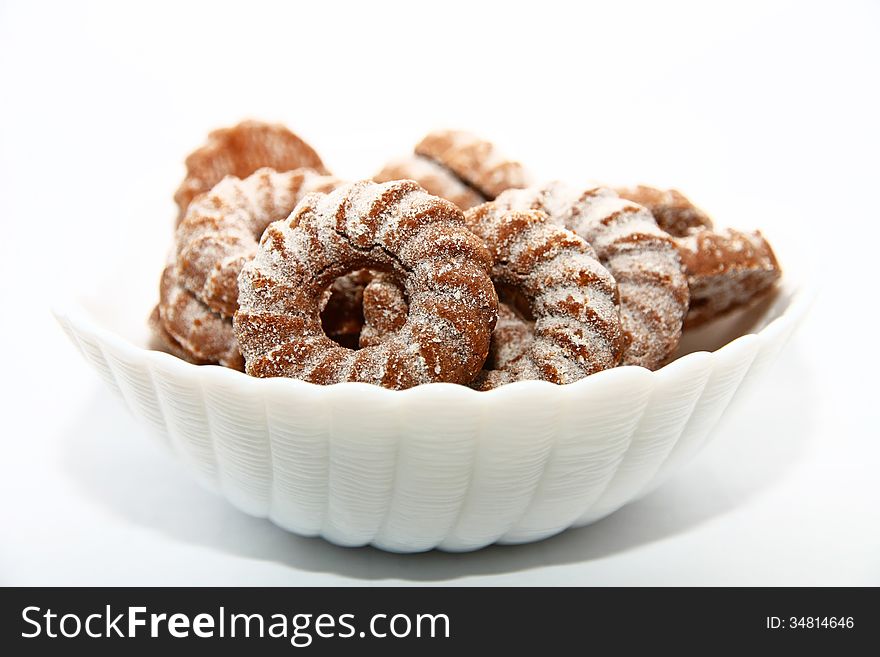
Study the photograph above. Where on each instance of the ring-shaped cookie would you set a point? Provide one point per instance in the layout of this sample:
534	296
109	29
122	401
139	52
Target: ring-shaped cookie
643	259
204	336
396	227
571	296
239	151
726	269
436	179
673	210
222	228
474	161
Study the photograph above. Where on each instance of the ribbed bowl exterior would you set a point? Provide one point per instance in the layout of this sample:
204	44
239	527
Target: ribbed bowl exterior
437	466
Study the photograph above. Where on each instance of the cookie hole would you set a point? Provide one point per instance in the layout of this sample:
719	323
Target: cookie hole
514	298
343	317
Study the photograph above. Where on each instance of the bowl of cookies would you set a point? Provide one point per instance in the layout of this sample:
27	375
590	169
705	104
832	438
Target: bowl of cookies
446	355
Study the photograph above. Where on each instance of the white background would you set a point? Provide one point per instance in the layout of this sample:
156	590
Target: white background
765	113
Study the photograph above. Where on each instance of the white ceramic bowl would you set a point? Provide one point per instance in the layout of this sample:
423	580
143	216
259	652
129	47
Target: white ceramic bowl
437	466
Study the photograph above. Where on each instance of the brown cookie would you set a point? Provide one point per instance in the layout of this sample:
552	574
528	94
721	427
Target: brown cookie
673	211
474	161
643	259
726	269
385	309
571	296
395	227
162	340
436	180
239	151
221	229
204	336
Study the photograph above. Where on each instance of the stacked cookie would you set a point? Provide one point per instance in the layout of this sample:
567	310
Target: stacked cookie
447	267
